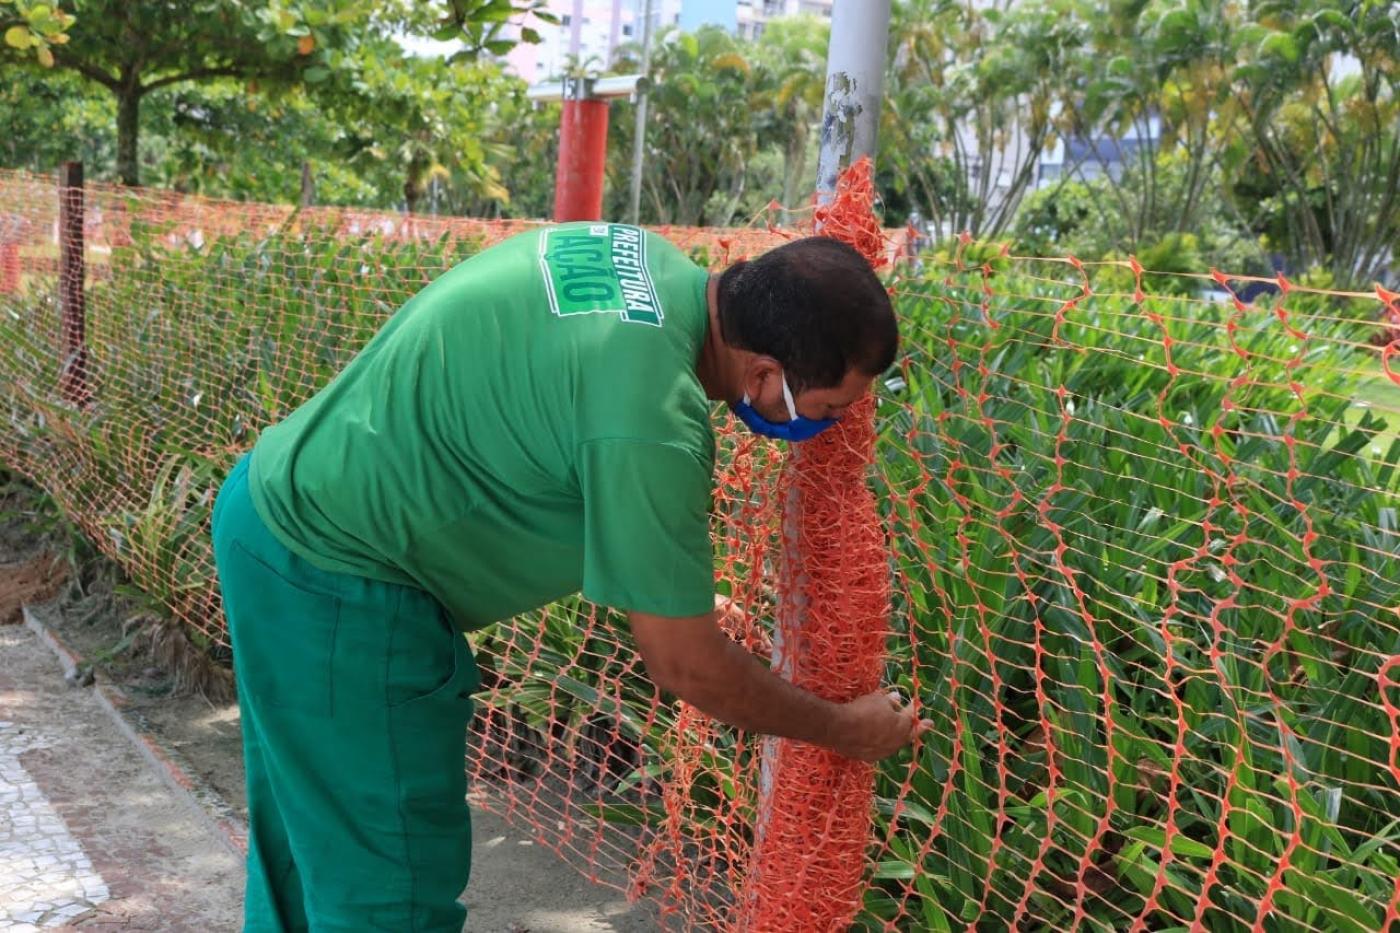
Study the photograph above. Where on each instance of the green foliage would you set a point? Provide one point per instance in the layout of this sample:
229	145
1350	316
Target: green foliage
1267	127
53	116
1051	219
470	144
703	135
1319	165
792	88
227	338
981	427
34	26
730	124
1106	217
133	48
969	105
981	477
480	25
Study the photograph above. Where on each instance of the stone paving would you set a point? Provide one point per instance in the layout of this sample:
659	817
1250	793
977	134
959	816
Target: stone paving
90	838
46	879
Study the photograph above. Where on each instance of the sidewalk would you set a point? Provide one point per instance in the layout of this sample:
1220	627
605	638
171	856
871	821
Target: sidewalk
91	838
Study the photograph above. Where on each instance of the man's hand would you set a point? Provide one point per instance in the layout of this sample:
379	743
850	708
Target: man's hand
692	658
729	614
876	726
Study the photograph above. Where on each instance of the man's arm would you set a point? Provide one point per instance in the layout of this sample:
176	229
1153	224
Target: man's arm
692	658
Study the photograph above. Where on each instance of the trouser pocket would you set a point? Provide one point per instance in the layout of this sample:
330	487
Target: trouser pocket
283	634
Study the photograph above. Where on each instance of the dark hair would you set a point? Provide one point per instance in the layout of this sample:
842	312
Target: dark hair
815	306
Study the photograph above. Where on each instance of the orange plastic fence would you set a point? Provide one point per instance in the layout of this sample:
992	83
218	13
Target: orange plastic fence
1136	534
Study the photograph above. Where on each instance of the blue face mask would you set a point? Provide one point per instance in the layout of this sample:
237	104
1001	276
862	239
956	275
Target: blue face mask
797	428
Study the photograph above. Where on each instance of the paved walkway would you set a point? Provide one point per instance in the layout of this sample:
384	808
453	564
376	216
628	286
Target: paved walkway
45	876
90	838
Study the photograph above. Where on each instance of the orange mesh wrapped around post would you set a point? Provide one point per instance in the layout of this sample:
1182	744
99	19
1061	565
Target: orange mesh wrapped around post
814	807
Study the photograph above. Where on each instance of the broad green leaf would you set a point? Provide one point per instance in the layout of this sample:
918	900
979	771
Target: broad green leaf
893	871
1181	846
1280	45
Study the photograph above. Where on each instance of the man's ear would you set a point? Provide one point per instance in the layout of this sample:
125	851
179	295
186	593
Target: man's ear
762	370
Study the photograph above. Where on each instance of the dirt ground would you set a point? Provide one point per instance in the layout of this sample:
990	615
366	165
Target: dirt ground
516	887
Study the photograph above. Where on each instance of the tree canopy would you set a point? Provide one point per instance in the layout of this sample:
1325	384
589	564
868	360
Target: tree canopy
1256	135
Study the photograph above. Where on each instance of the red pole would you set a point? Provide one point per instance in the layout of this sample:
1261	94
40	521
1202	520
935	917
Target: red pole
583	149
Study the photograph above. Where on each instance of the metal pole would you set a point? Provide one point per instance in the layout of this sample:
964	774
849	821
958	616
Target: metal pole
851	118
576	32
583	154
72	374
855	80
634	197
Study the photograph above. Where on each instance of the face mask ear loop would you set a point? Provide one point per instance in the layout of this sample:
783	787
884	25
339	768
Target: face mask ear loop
787	397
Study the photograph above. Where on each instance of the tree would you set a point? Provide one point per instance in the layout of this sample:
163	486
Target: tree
457	138
701	131
135	47
1157	84
422	122
51	116
977	91
524	137
792	56
1318	85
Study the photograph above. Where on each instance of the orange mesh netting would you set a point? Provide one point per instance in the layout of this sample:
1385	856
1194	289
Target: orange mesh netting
1129	538
814	807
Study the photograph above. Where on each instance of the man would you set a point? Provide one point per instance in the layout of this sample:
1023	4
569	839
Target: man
534	423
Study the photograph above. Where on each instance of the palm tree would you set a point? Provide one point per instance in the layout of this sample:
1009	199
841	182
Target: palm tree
793	56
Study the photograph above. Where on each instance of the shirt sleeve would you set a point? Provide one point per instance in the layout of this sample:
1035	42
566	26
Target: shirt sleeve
646	527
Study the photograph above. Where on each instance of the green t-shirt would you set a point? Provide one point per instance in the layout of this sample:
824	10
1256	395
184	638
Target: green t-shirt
528	425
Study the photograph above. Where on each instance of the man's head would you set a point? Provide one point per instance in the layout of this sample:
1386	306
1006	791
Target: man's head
813	313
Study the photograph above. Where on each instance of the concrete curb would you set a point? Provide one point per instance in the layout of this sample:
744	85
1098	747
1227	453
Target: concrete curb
167	762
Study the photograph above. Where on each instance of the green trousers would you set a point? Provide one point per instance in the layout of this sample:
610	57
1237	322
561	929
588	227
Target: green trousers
355	698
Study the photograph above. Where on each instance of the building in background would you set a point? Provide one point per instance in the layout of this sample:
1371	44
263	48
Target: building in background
697	13
590	31
753	15
1104	154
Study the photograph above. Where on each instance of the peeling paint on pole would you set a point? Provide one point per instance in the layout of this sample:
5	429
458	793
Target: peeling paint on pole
855	79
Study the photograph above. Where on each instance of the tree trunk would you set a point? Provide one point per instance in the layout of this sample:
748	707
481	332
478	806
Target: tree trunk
794	167
308	185
128	131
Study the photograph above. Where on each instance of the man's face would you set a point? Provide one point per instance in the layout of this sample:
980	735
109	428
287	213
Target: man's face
817	404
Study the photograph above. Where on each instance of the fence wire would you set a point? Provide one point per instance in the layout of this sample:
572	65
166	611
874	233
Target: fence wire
1135	539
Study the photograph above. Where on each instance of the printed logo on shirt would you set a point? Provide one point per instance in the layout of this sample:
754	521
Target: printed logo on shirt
599	269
